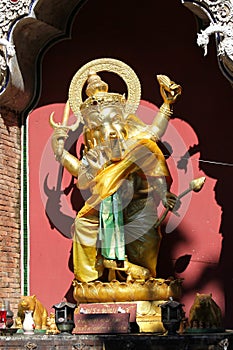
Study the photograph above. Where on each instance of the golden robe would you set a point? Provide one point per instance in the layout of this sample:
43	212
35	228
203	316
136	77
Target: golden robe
145	161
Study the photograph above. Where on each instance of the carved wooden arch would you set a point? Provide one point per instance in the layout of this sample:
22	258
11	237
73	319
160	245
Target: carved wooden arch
216	17
34	26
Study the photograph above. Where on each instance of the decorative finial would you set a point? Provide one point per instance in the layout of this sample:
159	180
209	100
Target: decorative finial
95	84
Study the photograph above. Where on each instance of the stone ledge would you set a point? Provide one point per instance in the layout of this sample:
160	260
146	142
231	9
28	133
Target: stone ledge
117	341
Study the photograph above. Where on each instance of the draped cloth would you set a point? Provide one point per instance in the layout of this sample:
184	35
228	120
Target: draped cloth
145	156
102	212
111	229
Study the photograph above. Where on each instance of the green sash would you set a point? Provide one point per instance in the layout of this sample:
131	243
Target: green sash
111	229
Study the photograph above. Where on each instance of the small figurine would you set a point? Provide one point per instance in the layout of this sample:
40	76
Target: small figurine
205	313
51	324
28	323
31	303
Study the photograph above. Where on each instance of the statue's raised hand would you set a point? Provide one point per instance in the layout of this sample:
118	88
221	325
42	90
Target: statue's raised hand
58	140
97	157
168	89
61	131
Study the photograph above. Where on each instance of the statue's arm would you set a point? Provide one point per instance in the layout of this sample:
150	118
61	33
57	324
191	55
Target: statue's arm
169	92
70	162
168	198
84	170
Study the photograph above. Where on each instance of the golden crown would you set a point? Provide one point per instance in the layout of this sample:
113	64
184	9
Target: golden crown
99	97
97	90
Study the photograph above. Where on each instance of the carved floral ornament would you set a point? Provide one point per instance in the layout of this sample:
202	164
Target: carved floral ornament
10	12
219	14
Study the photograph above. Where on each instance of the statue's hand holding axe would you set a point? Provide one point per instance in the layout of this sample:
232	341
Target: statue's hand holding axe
61	130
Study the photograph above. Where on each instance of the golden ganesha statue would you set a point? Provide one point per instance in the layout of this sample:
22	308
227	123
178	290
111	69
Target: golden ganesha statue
115	236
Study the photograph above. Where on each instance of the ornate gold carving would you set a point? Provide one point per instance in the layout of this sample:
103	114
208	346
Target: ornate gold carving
108	117
109	65
115	291
39	312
